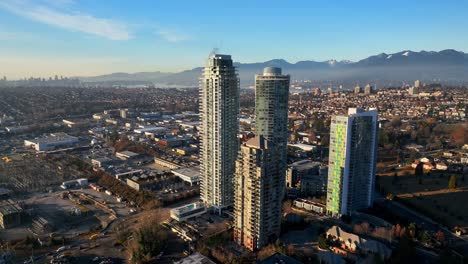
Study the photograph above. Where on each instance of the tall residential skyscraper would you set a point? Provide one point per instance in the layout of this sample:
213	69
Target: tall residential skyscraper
271	109
352	161
357	89
257	207
219	108
261	164
368	89
413	90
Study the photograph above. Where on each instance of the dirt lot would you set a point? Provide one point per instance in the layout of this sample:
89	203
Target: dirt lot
430	195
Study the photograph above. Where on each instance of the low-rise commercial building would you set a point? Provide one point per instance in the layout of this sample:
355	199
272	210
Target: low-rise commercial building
142	182
167	163
188	211
190	175
83	182
307	176
151	129
302	146
195	258
54	140
126	155
309	206
75	123
101	162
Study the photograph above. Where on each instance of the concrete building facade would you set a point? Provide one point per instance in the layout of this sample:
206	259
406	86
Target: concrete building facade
52	141
357	89
257	208
307	177
219	109
368	89
352	161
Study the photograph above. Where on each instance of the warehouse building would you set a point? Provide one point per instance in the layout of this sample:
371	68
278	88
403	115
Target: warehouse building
79	183
53	141
126	155
190	175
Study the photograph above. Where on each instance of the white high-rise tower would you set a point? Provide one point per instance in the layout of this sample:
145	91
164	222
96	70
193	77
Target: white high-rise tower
219	108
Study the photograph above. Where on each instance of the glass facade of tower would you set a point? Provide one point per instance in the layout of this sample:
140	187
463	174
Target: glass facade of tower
352	161
271	106
271	111
261	165
336	163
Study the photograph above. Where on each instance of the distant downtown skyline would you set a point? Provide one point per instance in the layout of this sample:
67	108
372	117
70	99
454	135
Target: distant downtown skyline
86	38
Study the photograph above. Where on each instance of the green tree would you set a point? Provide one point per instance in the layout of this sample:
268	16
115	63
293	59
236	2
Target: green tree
323	242
419	171
405	252
395	178
112	137
383	137
424	237
376	259
413	155
319	125
412	229
446	257
452	182
150	240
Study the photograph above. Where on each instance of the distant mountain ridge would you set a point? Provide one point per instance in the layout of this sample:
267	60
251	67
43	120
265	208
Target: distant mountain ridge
446	66
122	76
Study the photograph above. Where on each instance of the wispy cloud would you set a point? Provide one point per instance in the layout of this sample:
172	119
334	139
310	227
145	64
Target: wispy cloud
14	36
171	35
70	20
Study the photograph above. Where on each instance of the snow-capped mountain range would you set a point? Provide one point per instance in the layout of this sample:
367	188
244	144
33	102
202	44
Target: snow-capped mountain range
446	66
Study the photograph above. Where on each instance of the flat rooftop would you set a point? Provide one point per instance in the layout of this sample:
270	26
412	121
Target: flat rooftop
303	146
305	164
54	137
188	172
149	129
310	202
188	208
195	258
127	153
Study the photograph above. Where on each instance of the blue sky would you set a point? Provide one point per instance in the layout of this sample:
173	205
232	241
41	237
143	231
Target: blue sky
90	37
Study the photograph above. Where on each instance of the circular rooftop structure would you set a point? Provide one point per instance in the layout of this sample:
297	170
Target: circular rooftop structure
272	71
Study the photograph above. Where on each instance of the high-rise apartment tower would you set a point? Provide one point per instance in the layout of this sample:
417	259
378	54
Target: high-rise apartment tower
219	108
352	161
257	207
271	110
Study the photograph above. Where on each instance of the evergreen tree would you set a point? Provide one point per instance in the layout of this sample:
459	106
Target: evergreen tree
452	182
